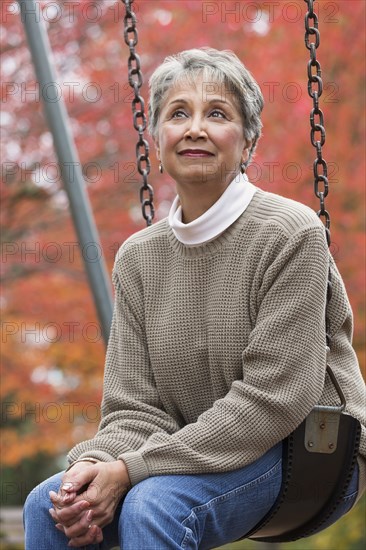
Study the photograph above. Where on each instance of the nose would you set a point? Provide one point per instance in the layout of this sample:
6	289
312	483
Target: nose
196	127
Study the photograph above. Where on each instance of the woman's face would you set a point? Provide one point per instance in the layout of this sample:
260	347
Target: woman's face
200	134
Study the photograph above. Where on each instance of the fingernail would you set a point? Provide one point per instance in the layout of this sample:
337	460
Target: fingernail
67	486
89	515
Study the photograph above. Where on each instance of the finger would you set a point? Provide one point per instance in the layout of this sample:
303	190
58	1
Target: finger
55	499
67	492
67	486
70	515
93	536
60	501
80	528
53	514
69	497
74	480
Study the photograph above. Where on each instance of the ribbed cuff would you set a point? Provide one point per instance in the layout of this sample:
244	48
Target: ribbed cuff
135	465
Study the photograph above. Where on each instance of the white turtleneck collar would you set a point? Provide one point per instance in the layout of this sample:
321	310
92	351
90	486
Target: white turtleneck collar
216	219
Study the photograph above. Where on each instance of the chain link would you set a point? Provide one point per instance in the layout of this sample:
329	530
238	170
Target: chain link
317	132
135	80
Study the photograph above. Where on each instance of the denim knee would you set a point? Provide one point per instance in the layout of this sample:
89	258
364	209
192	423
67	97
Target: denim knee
146	498
39	499
152	515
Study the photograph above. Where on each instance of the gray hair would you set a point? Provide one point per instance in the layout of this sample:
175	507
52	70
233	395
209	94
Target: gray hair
220	67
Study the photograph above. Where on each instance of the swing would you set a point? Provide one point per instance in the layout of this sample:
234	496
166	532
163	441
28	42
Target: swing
319	457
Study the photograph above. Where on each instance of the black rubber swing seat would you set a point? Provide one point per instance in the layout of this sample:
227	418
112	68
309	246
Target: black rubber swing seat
319	458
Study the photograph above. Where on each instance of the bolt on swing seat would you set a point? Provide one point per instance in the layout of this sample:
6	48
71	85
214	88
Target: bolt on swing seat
318	457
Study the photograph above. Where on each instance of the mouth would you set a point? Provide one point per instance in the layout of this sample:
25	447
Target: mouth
195	153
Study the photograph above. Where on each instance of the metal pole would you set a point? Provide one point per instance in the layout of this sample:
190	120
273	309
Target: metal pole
68	159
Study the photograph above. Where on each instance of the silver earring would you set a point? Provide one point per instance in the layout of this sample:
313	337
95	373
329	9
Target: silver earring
243	167
161	169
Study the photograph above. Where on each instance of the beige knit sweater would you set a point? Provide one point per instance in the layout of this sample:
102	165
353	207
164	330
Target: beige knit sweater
217	351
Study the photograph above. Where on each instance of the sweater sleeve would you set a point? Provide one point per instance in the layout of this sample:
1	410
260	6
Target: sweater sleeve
131	408
283	371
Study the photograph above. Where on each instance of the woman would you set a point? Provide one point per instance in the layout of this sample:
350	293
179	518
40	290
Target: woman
217	349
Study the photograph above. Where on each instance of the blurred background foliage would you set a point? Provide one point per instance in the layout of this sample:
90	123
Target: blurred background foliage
52	348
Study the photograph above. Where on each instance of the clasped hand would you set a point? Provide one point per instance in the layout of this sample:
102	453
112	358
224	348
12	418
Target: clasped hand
87	500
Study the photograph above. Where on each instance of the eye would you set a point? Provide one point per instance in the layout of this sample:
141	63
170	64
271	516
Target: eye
179	113
217	113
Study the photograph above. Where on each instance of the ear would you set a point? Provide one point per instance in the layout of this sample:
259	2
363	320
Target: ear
246	150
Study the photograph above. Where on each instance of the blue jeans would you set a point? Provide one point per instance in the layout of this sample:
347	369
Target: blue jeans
175	511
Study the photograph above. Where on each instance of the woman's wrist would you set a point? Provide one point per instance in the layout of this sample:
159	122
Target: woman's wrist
84	459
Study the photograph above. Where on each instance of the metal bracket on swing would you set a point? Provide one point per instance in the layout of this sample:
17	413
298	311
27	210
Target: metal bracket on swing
322	424
321	430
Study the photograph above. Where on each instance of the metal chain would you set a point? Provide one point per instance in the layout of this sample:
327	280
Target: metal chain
317	133
135	80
